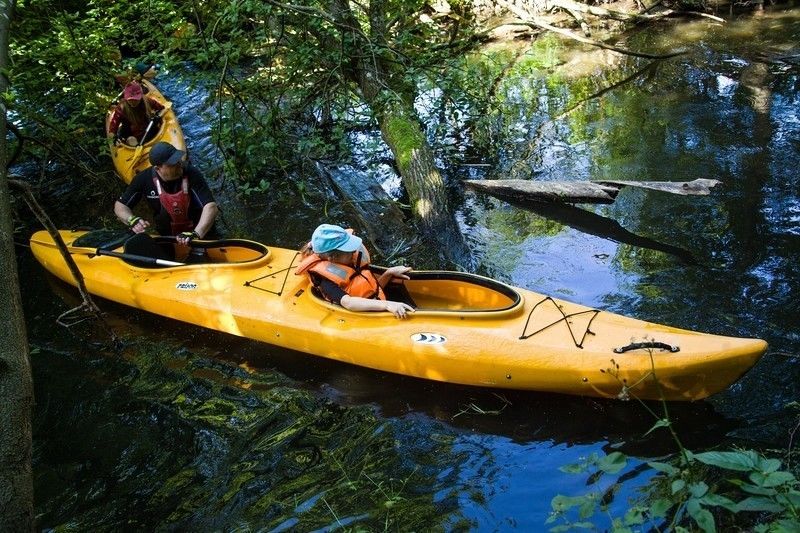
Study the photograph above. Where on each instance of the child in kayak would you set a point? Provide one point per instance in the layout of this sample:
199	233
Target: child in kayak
337	263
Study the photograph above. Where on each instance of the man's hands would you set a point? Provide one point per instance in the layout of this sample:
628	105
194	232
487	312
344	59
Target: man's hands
186	237
138	224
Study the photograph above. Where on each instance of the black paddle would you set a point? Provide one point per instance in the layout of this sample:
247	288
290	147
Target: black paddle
138	258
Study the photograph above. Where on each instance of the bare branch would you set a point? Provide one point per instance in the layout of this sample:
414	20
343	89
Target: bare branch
533	21
88	304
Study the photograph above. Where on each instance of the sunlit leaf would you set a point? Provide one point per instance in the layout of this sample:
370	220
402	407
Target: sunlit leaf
564	503
739	461
612	463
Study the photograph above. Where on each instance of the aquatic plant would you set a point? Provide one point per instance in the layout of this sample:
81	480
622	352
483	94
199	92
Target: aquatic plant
707	490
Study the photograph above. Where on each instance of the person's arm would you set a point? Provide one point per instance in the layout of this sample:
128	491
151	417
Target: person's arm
114	124
356	303
207	218
398	272
126	216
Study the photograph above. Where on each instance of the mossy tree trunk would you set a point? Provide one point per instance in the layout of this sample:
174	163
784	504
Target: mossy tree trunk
16	386
391	99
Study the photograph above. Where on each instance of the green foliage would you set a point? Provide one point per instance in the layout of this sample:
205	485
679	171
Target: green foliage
286	90
679	493
740	487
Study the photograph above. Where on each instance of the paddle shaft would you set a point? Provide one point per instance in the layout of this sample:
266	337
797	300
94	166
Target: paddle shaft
134	257
137	153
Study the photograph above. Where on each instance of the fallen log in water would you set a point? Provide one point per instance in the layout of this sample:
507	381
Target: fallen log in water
372	208
579	192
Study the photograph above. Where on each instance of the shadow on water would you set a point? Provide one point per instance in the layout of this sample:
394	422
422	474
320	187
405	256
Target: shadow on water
600	226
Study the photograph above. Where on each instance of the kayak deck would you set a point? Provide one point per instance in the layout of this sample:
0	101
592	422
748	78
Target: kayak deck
467	329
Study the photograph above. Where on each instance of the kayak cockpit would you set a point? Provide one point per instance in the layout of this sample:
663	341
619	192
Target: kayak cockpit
450	292
228	251
147	251
459	291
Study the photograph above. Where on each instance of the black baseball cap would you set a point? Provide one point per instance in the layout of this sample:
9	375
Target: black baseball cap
165	154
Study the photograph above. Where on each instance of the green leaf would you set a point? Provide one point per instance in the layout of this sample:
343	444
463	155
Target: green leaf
787	525
664	467
586	509
792	498
612	463
754	503
678	485
574	468
698	490
703	518
773	479
662	423
659	508
768	465
740	461
563	503
634	517
717	500
755	489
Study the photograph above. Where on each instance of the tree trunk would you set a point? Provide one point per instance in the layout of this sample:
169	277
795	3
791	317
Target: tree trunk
392	103
16	386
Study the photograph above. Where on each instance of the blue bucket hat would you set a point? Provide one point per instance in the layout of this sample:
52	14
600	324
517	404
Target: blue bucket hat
328	237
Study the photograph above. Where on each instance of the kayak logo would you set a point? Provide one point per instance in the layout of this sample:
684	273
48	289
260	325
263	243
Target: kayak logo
428	338
186	286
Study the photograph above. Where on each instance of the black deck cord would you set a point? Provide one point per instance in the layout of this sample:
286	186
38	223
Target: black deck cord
564	318
271	274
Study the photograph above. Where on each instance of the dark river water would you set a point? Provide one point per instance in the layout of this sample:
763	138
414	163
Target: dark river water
186	429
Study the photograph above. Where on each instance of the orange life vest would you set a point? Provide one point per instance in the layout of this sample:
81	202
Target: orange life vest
355	282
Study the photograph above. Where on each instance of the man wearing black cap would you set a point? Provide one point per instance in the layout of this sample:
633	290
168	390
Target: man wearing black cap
177	193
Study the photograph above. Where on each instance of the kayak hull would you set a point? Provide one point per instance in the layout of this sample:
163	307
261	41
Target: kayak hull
506	337
127	161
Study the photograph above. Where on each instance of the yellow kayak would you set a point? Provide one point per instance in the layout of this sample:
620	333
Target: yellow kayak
467	329
129	160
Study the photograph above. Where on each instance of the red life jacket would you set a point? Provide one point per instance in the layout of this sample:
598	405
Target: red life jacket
176	205
355	282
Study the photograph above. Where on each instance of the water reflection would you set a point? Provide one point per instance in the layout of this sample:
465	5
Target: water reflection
600	226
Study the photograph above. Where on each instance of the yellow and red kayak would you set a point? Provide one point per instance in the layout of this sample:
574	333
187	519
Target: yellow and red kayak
467	329
129	160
